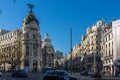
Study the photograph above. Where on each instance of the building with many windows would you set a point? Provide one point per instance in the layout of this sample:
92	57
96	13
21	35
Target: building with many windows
110	48
58	60
23	48
47	52
90	46
31	42
99	49
107	48
10	49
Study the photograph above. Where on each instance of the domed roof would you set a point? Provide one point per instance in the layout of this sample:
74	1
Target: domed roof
30	18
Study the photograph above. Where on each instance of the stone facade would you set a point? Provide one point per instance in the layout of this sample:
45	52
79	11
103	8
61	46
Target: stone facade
87	53
116	46
47	53
107	49
58	60
90	46
10	49
24	44
23	48
31	43
99	49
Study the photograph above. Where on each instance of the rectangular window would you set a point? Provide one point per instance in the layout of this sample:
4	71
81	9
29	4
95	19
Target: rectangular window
34	46
27	52
109	45
109	37
27	49
34	37
26	63
35	53
27	36
96	47
27	45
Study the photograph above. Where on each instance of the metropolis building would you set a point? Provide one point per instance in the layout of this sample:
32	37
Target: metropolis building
23	48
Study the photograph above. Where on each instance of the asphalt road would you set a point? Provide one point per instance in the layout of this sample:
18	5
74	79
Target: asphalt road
31	76
38	76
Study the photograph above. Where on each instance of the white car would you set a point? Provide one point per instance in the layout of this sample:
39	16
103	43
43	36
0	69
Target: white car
58	75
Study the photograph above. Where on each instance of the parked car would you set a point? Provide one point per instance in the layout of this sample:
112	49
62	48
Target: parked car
44	70
58	75
84	73
19	73
90	72
96	75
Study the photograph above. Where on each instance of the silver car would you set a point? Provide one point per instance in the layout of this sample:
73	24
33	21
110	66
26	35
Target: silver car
58	75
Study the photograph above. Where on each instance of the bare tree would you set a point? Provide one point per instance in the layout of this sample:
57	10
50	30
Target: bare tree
15	56
11	56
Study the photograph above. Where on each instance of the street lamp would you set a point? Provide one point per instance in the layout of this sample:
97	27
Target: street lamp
71	48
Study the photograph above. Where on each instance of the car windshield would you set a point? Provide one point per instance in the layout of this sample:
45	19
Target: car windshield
52	73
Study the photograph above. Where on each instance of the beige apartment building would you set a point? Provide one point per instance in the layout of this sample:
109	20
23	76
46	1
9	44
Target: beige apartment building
90	46
107	49
58	60
116	45
10	49
99	49
87	53
110	48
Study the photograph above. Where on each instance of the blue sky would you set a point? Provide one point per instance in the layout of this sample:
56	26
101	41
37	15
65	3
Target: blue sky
56	17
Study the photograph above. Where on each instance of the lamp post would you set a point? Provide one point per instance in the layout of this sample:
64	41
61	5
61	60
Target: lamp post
71	47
